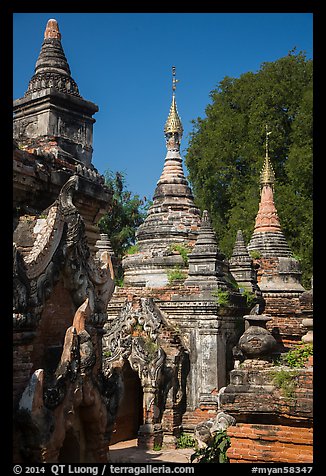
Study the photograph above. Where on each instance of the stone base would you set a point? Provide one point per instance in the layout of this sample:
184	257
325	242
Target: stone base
149	436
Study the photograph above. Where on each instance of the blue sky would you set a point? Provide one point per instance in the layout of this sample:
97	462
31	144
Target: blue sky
122	62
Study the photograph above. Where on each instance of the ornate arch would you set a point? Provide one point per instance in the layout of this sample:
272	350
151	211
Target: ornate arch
137	335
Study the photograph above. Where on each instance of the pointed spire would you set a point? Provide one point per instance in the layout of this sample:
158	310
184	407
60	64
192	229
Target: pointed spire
241	266
206	266
52	116
52	30
267	175
206	241
173	123
52	68
268	237
240	252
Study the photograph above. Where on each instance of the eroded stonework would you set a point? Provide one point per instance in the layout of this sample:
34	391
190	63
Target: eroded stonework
69	392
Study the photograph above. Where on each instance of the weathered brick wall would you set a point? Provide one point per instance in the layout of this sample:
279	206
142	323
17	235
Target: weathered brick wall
57	316
259	443
286	325
191	418
22	364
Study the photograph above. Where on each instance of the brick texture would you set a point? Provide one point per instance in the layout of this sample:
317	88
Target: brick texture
258	443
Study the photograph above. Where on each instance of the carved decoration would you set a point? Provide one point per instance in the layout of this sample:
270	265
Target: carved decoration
49	404
135	335
62	83
60	246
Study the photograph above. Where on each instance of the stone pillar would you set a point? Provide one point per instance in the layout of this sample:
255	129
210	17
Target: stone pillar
150	433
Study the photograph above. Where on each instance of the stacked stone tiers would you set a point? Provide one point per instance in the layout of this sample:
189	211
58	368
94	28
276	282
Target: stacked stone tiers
241	265
52	116
173	217
270	244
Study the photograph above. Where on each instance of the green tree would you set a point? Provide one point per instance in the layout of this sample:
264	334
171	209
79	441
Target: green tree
227	149
126	213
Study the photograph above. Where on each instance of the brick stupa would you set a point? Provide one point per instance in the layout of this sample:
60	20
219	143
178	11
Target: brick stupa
52	107
279	273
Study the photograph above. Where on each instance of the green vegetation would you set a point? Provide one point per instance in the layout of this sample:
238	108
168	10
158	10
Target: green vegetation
249	296
215	452
297	357
183	250
286	381
150	347
186	441
175	275
126	213
255	254
132	249
227	149
222	297
157	447
119	281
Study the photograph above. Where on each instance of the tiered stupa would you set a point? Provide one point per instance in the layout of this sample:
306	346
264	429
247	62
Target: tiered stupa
52	116
53	138
278	273
279	270
207	266
172	219
268	239
241	265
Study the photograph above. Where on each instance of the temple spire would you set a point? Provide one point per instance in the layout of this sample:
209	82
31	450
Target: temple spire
268	237
173	126
267	175
52	69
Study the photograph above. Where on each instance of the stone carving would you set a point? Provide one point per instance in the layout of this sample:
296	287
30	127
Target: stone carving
204	432
257	342
120	343
60	246
135	336
52	80
49	405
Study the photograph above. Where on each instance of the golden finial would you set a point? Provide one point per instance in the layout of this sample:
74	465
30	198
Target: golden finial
267	175
174	81
173	123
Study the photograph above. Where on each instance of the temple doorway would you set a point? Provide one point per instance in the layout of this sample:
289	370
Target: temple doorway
130	412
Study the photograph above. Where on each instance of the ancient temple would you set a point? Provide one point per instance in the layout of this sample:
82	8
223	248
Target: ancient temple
184	322
53	135
177	344
241	265
52	110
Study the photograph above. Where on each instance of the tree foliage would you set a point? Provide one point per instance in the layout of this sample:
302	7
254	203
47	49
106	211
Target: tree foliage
126	213
227	149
